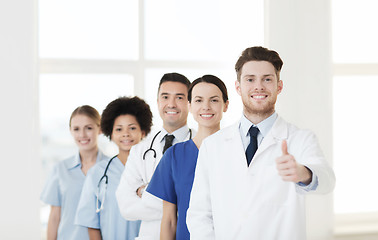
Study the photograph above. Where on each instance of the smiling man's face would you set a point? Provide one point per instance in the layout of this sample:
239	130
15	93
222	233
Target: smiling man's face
173	105
259	88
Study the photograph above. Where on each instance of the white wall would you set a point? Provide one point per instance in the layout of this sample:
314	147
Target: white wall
300	32
20	164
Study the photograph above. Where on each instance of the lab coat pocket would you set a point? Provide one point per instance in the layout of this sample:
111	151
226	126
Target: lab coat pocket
275	191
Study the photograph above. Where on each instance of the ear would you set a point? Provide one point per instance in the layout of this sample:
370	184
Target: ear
280	86
237	87
143	134
226	106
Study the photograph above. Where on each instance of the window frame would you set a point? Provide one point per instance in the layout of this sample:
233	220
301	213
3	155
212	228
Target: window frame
362	223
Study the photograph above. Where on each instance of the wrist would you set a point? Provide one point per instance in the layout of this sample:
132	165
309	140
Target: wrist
307	176
140	190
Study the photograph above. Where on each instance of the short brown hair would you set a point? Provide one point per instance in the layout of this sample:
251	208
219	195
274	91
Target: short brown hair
259	54
174	77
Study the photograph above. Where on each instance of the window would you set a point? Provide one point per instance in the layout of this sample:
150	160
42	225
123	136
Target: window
111	48
60	94
355	162
355	115
88	29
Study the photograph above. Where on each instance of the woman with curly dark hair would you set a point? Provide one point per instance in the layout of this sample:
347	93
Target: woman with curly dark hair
125	121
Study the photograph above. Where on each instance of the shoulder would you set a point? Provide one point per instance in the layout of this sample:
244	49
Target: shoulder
172	153
180	147
146	142
102	164
102	156
139	151
225	132
180	153
65	163
98	168
293	132
293	129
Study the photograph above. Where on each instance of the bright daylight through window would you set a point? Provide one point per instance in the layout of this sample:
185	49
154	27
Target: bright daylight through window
354	102
94	51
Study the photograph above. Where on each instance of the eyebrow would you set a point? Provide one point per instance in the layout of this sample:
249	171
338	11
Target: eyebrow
216	96
120	125
176	94
265	75
87	125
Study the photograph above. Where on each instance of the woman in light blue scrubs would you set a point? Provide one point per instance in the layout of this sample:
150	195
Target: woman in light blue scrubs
125	121
173	177
63	187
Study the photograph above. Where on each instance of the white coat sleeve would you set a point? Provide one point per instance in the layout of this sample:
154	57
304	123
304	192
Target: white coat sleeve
200	216
312	157
130	204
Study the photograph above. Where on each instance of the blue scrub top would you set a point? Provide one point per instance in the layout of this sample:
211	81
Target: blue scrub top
63	189
173	181
109	219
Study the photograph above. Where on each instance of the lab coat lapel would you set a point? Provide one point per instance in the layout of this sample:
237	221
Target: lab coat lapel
278	133
233	140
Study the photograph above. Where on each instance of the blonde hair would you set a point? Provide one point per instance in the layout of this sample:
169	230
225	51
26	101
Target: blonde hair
88	111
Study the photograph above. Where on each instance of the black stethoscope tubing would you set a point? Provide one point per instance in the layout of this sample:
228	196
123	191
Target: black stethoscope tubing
152	143
144	157
106	170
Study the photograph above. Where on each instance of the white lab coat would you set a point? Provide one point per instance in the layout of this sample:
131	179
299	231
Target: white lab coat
230	200
139	172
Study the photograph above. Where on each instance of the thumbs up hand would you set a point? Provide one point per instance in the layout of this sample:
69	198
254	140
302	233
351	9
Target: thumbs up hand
290	170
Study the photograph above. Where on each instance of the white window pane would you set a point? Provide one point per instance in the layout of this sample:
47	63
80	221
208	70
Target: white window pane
202	30
88	29
60	94
354	35
355	130
153	77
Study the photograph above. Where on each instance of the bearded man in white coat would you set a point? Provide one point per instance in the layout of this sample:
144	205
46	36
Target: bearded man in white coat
263	197
133	202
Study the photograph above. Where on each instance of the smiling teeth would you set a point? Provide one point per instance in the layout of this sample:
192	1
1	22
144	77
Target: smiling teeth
172	112
206	115
258	97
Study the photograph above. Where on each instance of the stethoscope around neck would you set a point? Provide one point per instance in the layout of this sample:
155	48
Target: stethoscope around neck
152	143
100	206
154	152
